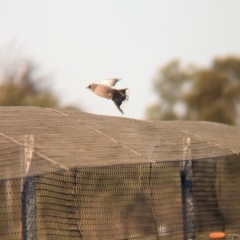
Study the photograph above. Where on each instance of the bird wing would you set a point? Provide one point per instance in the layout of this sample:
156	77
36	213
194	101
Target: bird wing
110	82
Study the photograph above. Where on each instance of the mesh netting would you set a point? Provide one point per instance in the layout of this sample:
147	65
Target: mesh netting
71	175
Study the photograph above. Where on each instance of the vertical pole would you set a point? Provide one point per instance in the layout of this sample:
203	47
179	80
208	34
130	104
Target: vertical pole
187	193
29	209
28	191
9	202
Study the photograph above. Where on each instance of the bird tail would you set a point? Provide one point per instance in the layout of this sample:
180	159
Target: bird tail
124	93
120	96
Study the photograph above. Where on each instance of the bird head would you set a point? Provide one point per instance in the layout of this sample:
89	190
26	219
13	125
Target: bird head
92	86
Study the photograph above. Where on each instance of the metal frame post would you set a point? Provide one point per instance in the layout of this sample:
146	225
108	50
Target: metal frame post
28	191
186	175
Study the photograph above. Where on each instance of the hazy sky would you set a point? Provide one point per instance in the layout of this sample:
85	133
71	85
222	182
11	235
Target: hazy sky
84	41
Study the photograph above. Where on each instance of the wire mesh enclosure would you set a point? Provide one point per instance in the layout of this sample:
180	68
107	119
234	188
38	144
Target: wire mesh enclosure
71	175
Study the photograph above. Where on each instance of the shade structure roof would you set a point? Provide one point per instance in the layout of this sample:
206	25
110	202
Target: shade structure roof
35	140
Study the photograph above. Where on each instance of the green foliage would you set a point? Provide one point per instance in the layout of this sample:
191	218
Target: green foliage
21	85
169	85
192	93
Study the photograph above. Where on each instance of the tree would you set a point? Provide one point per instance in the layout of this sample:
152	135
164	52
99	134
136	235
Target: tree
169	85
192	93
22	85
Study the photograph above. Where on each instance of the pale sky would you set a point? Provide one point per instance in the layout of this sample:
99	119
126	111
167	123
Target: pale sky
85	41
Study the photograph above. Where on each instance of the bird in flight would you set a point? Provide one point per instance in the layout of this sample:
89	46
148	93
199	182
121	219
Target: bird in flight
104	89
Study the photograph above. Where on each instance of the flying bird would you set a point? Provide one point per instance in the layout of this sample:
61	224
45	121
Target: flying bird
105	90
